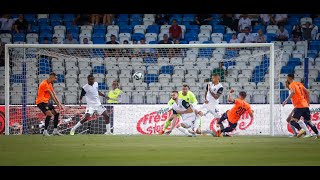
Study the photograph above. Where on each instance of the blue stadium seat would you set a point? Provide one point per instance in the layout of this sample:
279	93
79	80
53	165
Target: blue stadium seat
190	37
294	62
288	27
286	69
207	42
102	85
72	29
166	70
44	35
192	28
205	52
216	16
229	63
153	42
183	42
56	17
123	16
231	53
189	15
151	78
312	53
125	29
44	70
68	17
256	28
137	36
318	79
99	70
293	21
227	37
101	29
134	22
46	29
283	95
271	37
218	29
186	19
68	23
43	22
136	16
60	78
314	45
153	29
56	23
150	60
34	29
98	39
98	53
19	37
31	19
175	15
215	22
16	78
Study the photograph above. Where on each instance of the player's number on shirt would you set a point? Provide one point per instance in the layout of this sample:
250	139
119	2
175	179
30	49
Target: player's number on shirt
240	111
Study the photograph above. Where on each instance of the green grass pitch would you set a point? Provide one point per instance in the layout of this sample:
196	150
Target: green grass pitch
114	150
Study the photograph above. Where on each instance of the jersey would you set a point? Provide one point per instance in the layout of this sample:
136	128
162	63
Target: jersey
240	107
92	94
189	98
183	105
43	92
114	94
216	89
298	99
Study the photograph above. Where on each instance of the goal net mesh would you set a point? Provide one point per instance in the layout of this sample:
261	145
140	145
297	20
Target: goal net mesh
164	68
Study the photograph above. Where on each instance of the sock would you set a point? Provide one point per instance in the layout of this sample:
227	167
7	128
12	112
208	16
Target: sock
312	126
293	129
227	129
166	124
45	131
77	125
197	123
304	127
46	122
108	127
56	120
55	130
295	124
184	131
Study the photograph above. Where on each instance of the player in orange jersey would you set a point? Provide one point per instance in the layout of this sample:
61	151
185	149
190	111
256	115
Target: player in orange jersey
233	115
301	101
45	93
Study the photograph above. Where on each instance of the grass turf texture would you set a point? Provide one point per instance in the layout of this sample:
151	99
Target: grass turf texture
157	150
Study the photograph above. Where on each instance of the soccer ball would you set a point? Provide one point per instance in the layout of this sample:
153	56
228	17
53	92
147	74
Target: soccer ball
137	75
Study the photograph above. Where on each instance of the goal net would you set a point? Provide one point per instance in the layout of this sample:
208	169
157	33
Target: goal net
142	105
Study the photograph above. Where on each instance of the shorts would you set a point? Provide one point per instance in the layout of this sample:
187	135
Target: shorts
211	108
98	109
44	107
188	120
224	116
304	112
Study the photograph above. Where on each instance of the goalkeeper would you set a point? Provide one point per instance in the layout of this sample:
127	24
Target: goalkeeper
189	97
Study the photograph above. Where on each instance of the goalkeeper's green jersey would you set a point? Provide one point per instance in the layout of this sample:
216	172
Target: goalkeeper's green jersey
190	98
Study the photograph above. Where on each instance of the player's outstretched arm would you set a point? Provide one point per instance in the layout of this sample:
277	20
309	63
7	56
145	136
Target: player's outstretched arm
230	99
288	98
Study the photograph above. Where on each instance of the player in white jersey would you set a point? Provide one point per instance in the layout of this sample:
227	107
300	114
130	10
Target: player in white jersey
90	90
187	113
213	92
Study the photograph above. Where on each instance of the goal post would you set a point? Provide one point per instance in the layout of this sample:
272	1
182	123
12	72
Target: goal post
248	65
